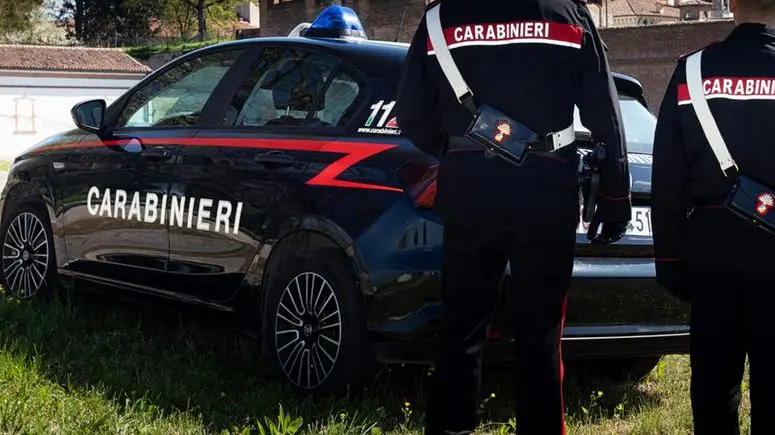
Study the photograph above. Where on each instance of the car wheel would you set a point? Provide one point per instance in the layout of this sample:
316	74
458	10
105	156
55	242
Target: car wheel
28	262
316	329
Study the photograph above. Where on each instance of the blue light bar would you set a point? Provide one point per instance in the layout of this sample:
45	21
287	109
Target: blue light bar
336	22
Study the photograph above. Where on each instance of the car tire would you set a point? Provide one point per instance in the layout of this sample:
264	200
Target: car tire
316	329
28	259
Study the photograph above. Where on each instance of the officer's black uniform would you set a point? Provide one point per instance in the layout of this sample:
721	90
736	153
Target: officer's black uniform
711	257
532	59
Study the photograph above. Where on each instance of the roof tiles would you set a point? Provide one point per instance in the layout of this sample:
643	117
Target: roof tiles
63	58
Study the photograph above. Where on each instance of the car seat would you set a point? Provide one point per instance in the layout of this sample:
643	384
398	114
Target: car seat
258	110
339	97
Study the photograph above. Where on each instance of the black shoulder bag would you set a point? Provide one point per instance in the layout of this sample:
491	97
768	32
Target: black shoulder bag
748	198
497	132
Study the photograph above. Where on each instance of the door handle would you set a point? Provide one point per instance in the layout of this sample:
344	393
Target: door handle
274	158
157	153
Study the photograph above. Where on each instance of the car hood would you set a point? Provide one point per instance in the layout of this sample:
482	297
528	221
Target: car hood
640	177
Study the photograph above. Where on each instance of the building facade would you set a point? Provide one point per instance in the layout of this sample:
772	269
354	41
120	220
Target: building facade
40	84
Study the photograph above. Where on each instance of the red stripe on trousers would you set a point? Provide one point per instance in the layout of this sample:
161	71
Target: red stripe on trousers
562	368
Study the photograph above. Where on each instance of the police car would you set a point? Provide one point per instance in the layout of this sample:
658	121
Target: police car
267	179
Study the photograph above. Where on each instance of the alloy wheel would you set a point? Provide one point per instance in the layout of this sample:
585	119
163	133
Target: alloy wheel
308	330
25	256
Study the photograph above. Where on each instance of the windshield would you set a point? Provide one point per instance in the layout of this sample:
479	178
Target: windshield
639	125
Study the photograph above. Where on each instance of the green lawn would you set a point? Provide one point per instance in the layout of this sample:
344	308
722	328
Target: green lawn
90	366
146	51
4	165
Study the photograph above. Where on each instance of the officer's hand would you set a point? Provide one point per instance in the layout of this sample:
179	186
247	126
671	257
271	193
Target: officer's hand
674	276
612	232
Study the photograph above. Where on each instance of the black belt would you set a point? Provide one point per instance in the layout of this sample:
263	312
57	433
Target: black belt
458	143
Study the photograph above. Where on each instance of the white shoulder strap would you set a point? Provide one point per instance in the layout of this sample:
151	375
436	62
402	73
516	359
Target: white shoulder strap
709	127
436	34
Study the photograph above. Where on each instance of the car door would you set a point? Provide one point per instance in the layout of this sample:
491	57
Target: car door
246	171
117	198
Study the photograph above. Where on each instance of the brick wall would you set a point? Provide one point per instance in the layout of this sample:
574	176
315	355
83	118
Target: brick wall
650	53
647	53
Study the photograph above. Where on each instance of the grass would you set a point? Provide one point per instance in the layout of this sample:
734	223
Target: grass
5	165
146	51
87	365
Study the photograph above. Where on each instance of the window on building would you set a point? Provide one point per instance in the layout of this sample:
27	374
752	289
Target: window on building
24	116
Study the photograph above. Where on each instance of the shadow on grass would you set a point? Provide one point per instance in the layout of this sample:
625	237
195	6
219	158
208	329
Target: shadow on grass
190	363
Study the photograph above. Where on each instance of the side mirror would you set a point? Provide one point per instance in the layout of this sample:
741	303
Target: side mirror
89	115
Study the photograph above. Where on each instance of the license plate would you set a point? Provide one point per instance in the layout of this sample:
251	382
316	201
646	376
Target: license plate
640	225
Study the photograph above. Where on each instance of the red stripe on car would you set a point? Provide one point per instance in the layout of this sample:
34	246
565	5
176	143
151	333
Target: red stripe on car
354	153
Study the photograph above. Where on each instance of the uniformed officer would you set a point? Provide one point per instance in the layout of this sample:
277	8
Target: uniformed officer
706	254
533	60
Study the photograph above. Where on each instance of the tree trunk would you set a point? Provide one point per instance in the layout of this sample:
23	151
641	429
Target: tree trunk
80	25
201	18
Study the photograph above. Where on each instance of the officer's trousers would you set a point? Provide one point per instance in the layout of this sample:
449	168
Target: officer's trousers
541	263
732	268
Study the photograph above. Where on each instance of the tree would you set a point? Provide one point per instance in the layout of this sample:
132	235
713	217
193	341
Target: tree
18	15
179	15
42	29
109	22
202	7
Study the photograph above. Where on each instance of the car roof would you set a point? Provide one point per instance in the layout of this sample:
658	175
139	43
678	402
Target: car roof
375	58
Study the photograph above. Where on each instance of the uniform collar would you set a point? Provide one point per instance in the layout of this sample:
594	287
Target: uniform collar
753	29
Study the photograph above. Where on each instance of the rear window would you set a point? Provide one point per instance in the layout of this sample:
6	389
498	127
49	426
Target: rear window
639	125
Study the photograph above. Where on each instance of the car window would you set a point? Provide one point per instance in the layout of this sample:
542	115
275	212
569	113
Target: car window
639	125
292	88
177	96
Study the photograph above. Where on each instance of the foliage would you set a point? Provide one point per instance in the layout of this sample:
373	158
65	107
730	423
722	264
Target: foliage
139	22
108	22
285	425
18	15
180	16
215	10
145	51
42	29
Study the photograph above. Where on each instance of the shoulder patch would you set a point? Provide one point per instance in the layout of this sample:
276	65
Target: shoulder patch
685	55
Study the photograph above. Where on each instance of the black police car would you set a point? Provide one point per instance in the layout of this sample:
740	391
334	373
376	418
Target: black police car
267	179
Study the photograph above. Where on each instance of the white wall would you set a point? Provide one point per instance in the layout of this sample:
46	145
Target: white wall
34	108
250	12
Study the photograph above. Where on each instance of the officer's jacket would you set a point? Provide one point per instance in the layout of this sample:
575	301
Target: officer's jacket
738	77
531	59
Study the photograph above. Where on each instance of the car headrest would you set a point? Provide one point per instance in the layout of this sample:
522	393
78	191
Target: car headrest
295	86
341	96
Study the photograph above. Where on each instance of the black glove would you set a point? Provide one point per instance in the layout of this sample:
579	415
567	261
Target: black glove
612	232
674	276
